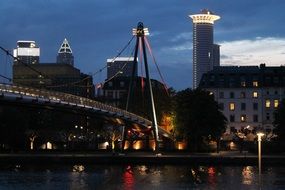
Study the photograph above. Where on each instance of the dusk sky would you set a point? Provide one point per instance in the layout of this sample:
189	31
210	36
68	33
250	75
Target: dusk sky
250	32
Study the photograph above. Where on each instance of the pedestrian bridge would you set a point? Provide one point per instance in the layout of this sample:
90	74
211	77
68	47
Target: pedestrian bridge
12	94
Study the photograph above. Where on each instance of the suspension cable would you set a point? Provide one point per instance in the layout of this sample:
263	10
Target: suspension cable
154	60
5	70
120	70
20	61
141	61
9	79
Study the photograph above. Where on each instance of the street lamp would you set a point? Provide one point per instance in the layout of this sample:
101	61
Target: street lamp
259	135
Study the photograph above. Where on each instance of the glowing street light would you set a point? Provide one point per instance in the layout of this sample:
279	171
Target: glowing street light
259	135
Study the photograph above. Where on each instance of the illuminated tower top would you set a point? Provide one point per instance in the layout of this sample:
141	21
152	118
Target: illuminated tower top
205	16
65	47
65	53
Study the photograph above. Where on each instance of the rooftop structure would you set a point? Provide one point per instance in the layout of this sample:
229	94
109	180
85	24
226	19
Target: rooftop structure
65	53
26	52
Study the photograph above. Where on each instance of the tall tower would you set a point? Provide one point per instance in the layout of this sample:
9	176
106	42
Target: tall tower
65	54
204	50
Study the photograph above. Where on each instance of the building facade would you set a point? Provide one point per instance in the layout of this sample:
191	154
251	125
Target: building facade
205	52
61	76
247	95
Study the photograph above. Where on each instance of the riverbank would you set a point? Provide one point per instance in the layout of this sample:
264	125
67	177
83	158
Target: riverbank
222	158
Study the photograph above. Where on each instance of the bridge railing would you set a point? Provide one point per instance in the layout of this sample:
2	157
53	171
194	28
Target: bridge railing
67	98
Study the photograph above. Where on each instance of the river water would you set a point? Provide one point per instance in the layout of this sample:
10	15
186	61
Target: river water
140	177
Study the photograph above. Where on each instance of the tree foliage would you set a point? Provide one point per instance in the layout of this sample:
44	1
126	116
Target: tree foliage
198	117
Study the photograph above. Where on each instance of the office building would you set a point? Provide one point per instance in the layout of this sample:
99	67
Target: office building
205	52
247	95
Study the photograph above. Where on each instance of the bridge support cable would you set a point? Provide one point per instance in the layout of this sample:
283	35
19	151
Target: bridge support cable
140	33
4	75
154	60
27	65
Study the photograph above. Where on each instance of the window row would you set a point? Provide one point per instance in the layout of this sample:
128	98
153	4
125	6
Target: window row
243	94
243	118
243	106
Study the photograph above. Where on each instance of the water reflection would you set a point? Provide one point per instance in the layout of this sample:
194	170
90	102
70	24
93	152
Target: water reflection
212	180
78	168
78	178
139	177
128	178
196	176
143	170
247	175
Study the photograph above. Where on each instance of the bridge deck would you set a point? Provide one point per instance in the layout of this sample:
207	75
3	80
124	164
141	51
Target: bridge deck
13	92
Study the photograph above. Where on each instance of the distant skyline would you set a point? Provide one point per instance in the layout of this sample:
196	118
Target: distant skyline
249	32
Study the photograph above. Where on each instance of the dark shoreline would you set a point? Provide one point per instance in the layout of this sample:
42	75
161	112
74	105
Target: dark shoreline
141	158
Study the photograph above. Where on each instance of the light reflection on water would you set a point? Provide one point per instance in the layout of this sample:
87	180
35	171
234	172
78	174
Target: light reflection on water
130	177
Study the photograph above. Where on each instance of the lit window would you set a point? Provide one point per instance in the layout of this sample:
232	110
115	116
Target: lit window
49	146
254	94
243	118
255	83
276	103
267	103
243	84
232	106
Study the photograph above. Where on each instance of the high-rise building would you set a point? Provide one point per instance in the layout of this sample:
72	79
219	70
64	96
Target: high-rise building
205	52
120	66
65	54
26	52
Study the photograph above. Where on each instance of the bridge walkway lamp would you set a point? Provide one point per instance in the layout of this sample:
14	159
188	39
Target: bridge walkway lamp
259	139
